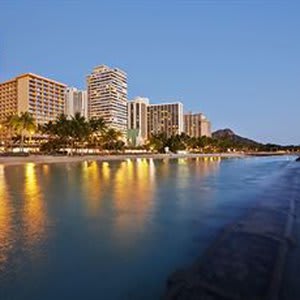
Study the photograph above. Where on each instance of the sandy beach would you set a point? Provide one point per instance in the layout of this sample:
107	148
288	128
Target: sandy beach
46	159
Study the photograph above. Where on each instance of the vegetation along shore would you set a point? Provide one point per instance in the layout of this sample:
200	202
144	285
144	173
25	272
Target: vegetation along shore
80	136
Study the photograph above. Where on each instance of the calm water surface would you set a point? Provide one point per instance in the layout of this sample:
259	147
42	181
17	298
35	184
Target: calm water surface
99	230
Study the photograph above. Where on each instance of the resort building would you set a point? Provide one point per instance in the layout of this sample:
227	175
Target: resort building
165	118
197	125
42	97
107	96
137	121
76	102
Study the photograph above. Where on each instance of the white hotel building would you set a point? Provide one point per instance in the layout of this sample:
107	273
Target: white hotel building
76	102
137	120
107	96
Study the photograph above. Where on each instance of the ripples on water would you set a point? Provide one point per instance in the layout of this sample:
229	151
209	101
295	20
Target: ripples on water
115	230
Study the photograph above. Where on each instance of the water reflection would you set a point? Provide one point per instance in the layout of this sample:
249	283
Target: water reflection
92	185
46	170
34	210
113	225
145	188
134	188
105	171
5	219
206	166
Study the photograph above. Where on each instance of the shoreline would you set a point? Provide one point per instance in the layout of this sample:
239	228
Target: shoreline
46	159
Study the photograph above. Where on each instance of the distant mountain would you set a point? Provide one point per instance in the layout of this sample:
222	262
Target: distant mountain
228	134
228	139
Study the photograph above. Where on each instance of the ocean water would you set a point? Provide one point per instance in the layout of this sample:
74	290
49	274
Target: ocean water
116	230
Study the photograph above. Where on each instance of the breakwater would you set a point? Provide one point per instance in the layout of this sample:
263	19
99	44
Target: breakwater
248	259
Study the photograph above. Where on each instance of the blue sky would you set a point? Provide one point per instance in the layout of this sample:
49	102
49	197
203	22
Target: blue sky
238	61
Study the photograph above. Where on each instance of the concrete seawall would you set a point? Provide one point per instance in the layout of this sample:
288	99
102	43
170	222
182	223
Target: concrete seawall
247	261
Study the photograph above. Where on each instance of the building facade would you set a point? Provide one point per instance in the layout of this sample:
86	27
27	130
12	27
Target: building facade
137	121
76	102
107	96
165	118
197	125
42	97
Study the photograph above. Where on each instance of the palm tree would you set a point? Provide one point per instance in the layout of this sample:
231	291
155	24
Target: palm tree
58	133
10	125
176	142
97	125
158	142
48	128
25	125
97	128
111	139
192	143
79	129
22	124
62	130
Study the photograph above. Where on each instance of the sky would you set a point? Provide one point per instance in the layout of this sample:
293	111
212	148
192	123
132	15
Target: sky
237	61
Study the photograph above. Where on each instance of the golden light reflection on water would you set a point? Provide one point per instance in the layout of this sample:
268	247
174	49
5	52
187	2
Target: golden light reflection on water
130	188
145	186
207	165
46	170
92	185
5	219
34	214
134	188
105	171
194	168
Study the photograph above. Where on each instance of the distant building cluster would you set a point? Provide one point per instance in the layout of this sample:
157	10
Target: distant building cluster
106	96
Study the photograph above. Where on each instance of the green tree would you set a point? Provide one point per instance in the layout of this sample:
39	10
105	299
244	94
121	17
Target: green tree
58	134
26	126
78	130
112	139
177	142
97	129
158	142
9	126
22	124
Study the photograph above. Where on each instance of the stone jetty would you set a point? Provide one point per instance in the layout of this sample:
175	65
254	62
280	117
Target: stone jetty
248	259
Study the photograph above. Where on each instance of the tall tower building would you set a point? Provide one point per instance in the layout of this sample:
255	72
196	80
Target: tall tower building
107	96
44	98
137	120
165	118
197	125
76	102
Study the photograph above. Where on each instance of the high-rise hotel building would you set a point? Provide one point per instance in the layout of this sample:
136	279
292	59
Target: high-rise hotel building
197	125
42	97
137	120
76	102
107	96
165	118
